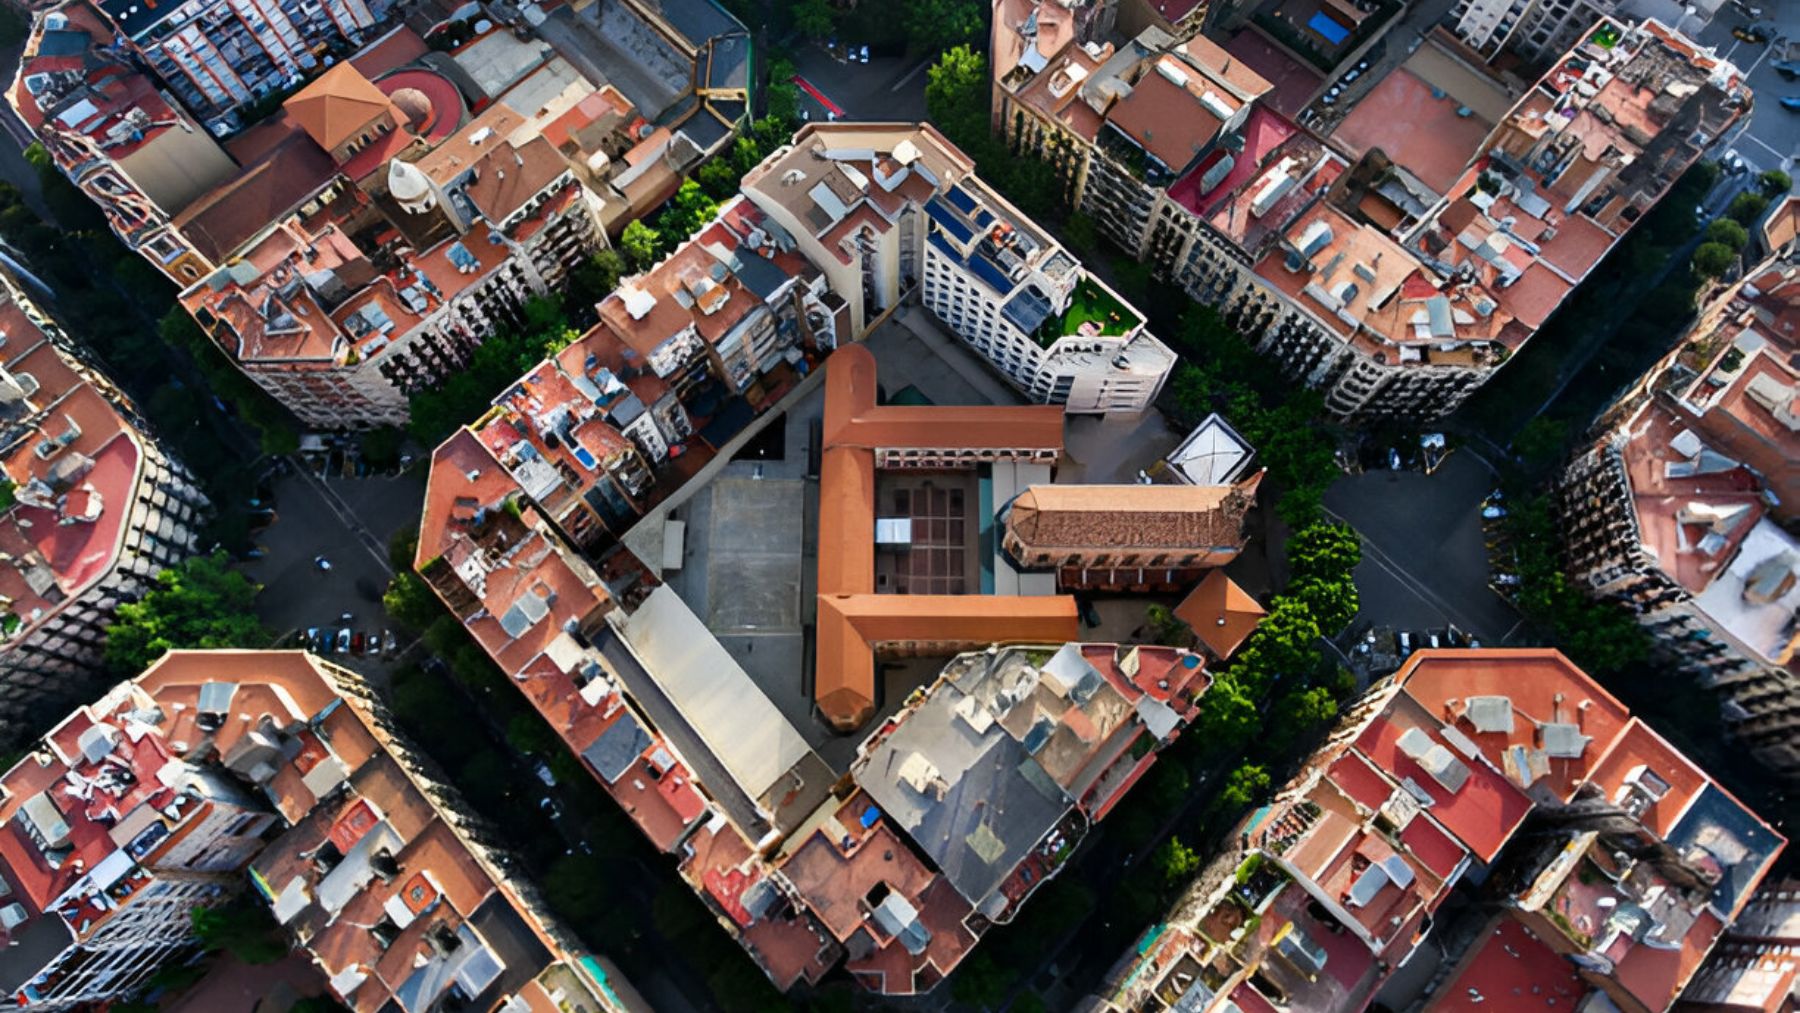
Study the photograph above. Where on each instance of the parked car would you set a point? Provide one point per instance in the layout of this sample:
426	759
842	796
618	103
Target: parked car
1788	69
343	641
392	644
1506	579
356	642
312	638
346	618
542	770
322	563
1493	513
1791	103
374	644
1753	34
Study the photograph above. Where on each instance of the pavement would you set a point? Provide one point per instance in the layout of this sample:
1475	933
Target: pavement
348	521
1772	138
1424	556
886	89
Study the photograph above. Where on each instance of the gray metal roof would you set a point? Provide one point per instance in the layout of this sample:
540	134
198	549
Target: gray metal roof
617	748
992	805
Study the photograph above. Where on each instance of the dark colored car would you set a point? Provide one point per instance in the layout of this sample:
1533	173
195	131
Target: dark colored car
1789	69
1753	34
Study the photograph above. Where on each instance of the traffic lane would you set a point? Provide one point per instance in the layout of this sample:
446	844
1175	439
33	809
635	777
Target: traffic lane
886	89
1772	138
1425	532
296	593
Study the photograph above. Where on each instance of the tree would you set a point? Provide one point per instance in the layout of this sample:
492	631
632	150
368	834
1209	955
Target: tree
1297	713
596	277
686	213
1333	601
1746	208
1726	232
957	95
1713	260
243	928
935	25
814	19
718	178
1244	786
640	244
1324	550
1176	860
1775	183
1166	628
1541	442
980	982
200	603
410	602
1228	717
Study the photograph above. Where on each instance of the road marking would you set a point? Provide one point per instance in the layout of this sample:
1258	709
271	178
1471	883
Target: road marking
909	75
1781	160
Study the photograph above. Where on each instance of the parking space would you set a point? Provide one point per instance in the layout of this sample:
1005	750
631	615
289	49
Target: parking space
325	556
1772	138
1424	558
886	88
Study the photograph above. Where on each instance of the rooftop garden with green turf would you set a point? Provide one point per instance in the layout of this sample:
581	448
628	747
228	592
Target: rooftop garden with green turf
1093	313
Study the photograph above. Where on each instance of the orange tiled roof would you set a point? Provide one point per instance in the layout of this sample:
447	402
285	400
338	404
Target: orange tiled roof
336	106
1222	614
852	619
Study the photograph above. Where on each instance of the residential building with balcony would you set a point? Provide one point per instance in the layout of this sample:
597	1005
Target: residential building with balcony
94	509
1598	864
1756	969
1684	510
219	770
357	245
1532	29
884	210
810	863
1174	151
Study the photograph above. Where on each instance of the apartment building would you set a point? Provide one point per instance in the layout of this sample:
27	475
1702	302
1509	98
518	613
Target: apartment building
1683	511
1756	968
886	210
94	509
1600	867
218	56
214	771
1121	537
1361	261
809	850
356	245
1533	29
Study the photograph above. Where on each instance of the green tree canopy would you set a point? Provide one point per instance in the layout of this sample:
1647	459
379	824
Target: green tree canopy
814	19
1775	183
1746	208
1245	785
935	25
595	278
1176	861
957	96
1727	232
244	928
200	603
1298	713
1228	718
1324	550
1541	442
640	243
1712	260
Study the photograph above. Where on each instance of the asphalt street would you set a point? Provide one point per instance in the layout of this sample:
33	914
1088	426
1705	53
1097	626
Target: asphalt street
886	89
1424	557
348	521
1772	138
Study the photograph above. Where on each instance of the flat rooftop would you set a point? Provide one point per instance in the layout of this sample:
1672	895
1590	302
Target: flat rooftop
1424	129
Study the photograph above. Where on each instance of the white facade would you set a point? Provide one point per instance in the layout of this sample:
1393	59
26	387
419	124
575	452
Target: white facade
1085	374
